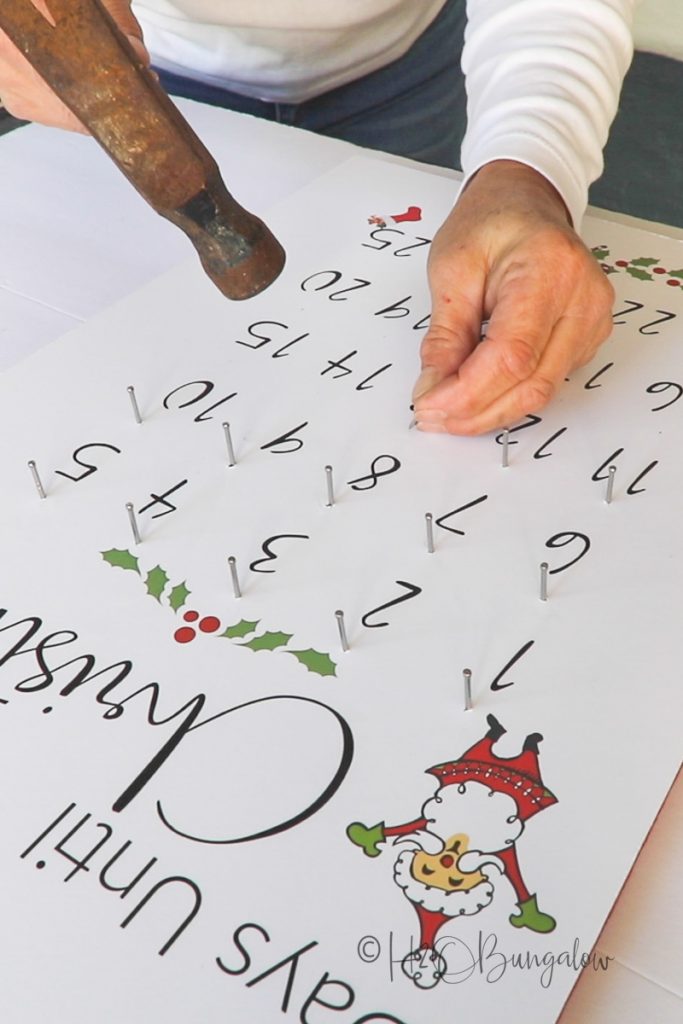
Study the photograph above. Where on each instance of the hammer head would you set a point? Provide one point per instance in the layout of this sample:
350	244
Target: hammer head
93	68
237	250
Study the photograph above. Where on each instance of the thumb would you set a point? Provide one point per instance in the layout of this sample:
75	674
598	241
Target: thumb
454	328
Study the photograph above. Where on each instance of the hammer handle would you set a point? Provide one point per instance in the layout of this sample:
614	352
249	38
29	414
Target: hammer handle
93	68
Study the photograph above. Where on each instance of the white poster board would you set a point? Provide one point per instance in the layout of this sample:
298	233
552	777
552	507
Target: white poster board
210	810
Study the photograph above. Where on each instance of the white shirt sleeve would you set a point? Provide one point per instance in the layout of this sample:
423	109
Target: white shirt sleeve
543	81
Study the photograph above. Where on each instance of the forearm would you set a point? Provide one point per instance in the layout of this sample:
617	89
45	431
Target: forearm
543	81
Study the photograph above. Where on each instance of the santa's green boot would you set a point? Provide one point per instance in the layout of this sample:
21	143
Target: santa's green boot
531	917
367	838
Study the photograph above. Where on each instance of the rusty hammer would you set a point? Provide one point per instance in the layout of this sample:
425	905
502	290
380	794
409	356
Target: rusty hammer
92	67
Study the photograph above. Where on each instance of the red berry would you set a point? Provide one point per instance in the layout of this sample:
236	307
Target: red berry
621	263
673	280
191	616
209	624
659	270
184	635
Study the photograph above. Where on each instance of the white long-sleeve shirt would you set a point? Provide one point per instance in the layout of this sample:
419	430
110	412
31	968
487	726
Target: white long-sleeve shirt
543	76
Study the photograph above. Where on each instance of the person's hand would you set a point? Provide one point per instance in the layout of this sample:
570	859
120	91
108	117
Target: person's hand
506	254
24	93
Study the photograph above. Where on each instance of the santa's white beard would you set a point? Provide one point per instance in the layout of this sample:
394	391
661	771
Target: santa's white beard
452	904
489	819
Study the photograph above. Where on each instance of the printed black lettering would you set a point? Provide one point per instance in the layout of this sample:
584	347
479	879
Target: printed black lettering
496	684
123	890
558	540
659	387
345	760
366	483
383	242
441	521
293	962
413	591
631	307
653	323
174	879
267	548
348	997
88	467
237	939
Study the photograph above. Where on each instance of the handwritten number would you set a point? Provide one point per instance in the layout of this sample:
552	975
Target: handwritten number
295	443
336	296
205	388
160	499
496	684
590	385
441	521
364	386
631	307
653	323
203	416
366	483
531	421
413	591
541	453
659	387
632	489
282	351
558	540
599	473
405	249
396	310
335	277
88	467
267	549
423	323
263	338
339	365
384	242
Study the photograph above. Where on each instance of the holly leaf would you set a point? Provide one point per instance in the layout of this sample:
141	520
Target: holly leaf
316	661
121	559
268	641
241	628
601	252
641	275
644	261
676	273
178	596
156	581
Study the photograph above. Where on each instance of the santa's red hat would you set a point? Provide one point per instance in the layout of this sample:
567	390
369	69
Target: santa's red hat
519	776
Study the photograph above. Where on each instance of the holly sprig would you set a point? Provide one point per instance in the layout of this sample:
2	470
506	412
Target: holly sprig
156	582
642	268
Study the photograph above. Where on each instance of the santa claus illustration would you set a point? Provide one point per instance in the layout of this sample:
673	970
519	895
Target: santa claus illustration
464	843
411	215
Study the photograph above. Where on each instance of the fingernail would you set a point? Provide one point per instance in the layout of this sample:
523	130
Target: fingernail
430	416
427	379
432	428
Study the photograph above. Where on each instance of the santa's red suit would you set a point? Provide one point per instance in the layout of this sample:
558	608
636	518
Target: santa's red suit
518	779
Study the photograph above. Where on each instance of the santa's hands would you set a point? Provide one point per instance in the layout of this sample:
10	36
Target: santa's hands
508	254
23	91
367	838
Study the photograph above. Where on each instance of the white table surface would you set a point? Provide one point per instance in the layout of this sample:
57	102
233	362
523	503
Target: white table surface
75	237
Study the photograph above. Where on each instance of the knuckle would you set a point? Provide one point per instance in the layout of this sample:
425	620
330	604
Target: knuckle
520	358
539	391
469	404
